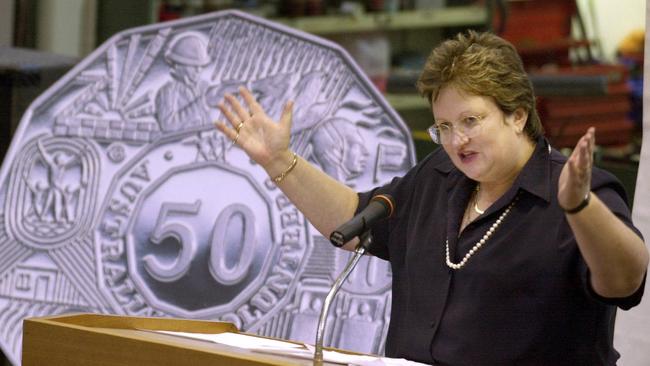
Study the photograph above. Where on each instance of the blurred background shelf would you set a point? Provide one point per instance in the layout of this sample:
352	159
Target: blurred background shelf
406	102
390	21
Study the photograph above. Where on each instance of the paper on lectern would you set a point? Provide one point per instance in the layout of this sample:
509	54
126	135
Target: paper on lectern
279	347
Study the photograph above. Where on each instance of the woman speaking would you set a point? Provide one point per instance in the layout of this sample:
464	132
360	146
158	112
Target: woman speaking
503	251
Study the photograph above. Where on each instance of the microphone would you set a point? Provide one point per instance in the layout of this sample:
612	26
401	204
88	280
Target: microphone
380	207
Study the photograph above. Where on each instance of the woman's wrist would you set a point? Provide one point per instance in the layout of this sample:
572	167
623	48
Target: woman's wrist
280	177
281	165
574	210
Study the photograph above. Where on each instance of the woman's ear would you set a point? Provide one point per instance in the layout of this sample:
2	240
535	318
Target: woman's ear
520	116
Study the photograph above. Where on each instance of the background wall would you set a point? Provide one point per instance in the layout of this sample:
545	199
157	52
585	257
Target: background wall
6	22
609	21
632	338
66	27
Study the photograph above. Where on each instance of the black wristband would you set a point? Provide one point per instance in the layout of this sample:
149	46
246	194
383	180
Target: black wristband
583	204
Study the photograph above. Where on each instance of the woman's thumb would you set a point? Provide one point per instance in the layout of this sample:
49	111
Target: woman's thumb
287	114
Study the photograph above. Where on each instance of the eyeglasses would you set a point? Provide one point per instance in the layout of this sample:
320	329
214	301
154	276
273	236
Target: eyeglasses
443	133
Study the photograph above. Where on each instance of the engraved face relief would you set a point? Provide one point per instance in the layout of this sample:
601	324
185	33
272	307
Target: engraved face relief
118	195
338	147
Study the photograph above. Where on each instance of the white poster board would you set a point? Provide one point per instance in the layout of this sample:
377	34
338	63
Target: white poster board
632	338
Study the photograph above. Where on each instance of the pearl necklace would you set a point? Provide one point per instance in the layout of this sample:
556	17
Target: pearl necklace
479	243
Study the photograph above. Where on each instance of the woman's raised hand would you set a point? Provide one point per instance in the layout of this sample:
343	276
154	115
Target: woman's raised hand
575	179
253	130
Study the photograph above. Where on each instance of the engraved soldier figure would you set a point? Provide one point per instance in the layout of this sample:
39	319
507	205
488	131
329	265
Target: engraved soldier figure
180	103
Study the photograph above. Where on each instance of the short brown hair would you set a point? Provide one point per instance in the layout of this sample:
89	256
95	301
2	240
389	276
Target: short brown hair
486	65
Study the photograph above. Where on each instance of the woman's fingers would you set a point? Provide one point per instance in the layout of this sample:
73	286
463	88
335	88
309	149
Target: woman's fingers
241	112
234	120
590	138
587	150
581	153
229	132
575	170
581	161
252	104
575	179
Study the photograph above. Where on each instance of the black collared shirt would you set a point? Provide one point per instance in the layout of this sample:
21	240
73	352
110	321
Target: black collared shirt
522	299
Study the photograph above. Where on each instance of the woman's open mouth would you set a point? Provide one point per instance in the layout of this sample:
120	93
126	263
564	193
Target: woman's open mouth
467	156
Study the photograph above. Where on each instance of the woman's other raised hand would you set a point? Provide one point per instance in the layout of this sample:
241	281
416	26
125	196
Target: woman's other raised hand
575	179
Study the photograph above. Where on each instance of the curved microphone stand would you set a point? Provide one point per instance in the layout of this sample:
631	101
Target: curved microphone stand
362	247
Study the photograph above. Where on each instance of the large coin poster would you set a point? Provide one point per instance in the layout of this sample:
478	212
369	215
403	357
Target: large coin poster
119	196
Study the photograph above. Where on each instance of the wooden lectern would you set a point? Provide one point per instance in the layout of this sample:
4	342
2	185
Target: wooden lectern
93	339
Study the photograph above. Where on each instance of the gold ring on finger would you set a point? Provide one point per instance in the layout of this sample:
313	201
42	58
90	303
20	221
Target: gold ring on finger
239	126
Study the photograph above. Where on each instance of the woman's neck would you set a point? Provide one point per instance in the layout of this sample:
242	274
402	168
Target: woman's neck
490	191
